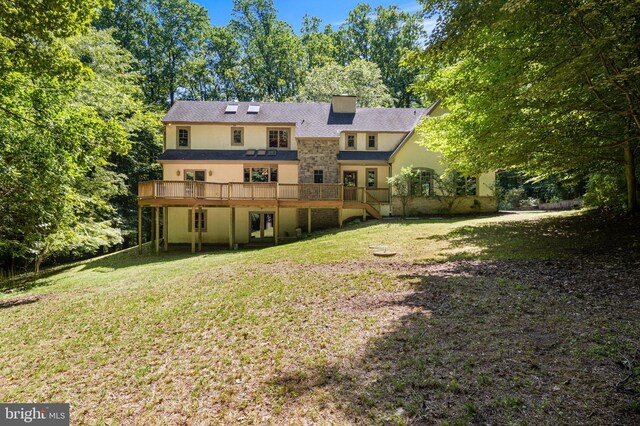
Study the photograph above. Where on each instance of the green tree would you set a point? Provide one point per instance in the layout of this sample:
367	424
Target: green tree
359	78
55	147
354	36
546	87
168	38
383	36
272	54
114	92
394	34
31	34
318	46
401	186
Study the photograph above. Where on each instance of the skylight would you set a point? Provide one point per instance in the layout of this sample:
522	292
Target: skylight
250	152
271	152
253	109
231	109
262	152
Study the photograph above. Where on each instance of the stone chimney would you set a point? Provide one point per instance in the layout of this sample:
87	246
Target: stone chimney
343	104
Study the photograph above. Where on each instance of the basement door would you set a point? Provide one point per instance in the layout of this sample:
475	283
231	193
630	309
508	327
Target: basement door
261	227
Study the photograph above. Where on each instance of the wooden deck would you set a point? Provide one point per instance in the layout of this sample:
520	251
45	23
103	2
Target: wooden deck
238	194
159	195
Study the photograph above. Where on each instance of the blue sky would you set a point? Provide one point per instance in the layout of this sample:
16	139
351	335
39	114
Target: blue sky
330	11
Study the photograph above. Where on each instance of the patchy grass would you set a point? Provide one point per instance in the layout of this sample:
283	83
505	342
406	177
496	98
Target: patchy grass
519	319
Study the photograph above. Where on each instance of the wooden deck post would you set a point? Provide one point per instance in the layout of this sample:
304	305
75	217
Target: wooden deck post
340	216
232	227
139	230
276	225
157	226
193	229
165	228
364	215
200	230
153	228
309	220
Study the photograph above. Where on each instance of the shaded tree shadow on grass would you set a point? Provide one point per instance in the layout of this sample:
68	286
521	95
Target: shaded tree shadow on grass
469	345
547	238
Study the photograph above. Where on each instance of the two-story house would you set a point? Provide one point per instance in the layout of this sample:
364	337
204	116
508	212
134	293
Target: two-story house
244	172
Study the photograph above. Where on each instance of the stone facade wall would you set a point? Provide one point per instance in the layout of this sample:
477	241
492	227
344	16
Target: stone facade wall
320	219
318	155
431	205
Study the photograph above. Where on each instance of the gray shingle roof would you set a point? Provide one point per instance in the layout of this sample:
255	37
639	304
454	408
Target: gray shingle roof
228	155
310	119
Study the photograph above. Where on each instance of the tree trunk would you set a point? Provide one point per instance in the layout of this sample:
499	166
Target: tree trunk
630	175
39	260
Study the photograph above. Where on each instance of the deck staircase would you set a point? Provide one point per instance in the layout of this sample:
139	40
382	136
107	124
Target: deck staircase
372	205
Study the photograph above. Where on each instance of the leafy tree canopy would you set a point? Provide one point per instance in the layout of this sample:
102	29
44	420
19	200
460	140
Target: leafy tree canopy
542	86
359	78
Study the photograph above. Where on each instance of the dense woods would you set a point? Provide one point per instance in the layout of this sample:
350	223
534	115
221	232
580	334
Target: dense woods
85	84
549	89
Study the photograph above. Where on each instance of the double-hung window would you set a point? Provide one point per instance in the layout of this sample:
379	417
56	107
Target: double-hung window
184	137
350	141
372	141
237	136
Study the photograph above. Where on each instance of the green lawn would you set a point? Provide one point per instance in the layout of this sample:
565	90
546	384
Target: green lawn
518	319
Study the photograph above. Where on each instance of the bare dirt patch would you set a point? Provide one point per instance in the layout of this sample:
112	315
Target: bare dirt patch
490	342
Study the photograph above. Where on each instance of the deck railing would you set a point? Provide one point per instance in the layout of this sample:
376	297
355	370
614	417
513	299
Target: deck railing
380	194
258	191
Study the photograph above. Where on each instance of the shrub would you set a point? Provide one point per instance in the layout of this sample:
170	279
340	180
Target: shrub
606	190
